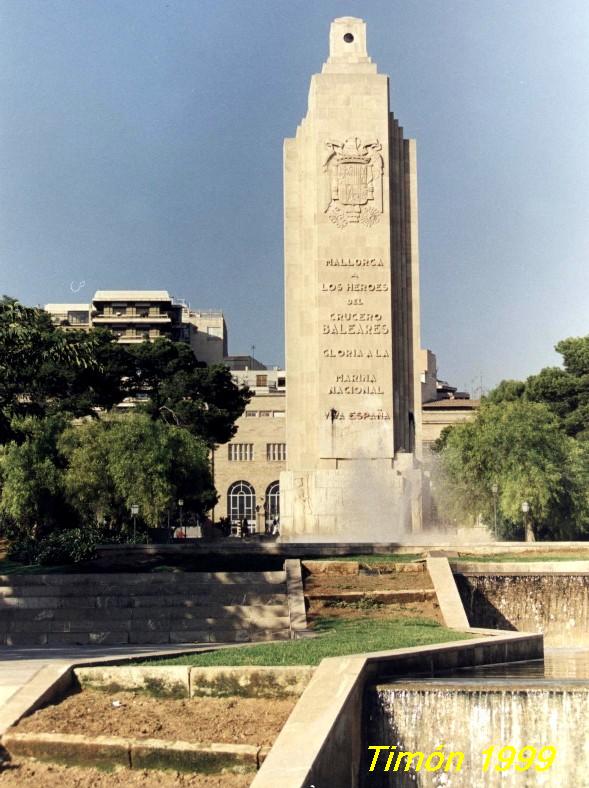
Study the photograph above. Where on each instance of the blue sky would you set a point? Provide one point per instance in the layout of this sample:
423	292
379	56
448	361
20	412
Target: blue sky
141	146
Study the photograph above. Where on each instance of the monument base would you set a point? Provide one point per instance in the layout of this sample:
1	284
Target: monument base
364	500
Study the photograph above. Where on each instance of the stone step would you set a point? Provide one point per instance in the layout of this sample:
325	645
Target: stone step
152	624
208	607
139	614
146	589
225	596
225	635
130	579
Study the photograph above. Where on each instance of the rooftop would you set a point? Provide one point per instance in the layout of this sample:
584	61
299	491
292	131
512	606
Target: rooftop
66	307
132	295
452	404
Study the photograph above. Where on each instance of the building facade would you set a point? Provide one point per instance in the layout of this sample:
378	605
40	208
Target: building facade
136	316
247	469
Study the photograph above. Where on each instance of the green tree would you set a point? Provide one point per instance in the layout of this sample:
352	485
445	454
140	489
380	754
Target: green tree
47	371
507	391
33	498
182	391
564	390
206	401
132	458
521	447
152	365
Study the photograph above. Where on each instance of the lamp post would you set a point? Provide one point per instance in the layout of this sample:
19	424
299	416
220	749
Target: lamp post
181	506
529	533
134	512
495	490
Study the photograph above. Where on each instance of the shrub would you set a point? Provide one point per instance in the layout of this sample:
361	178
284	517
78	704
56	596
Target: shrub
69	547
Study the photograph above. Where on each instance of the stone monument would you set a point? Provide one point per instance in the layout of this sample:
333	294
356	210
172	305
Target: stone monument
352	308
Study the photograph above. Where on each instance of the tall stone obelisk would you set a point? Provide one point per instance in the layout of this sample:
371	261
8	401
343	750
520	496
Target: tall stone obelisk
352	308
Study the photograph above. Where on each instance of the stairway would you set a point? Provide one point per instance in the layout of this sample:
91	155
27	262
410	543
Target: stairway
160	607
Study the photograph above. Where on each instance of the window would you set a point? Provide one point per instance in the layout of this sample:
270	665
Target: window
250	414
241	502
78	318
278	414
261	380
276	452
272	504
241	452
265	413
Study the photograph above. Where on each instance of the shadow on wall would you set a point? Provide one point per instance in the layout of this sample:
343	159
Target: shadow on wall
480	610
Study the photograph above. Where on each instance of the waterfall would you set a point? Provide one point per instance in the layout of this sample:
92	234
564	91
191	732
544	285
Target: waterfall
557	605
468	717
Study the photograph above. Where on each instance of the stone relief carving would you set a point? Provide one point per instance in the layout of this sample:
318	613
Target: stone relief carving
353	181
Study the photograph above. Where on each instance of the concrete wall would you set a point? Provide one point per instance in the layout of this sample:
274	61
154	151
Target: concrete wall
321	741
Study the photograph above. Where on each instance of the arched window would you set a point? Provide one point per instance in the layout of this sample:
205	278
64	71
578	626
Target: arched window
272	507
241	502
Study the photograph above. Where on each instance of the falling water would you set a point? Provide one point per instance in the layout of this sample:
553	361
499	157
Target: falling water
557	605
468	717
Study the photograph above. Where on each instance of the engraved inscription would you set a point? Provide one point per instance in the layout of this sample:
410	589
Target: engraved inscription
354	303
354	287
354	262
358	415
329	352
355	328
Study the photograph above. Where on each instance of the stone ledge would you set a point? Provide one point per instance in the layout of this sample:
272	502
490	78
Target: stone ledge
185	756
413	595
295	596
469	568
451	607
72	748
250	682
105	751
165	682
183	681
331	567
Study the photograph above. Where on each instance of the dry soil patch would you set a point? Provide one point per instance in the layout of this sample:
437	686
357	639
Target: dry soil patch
137	715
373	581
380	577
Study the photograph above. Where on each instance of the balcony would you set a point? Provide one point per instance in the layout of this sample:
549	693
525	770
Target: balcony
102	319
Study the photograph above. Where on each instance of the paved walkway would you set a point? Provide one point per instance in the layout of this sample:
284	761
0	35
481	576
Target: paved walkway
27	673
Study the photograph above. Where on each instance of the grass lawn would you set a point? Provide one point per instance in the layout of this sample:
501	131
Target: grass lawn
336	638
385	558
524	558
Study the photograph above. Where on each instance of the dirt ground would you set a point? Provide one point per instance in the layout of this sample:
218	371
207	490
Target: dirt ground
378	578
204	720
348	610
29	773
374	581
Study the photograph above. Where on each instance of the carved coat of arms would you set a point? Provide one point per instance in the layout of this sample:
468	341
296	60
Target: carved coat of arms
353	181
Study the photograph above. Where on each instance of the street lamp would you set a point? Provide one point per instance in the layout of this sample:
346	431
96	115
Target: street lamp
529	534
180	506
134	512
495	490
